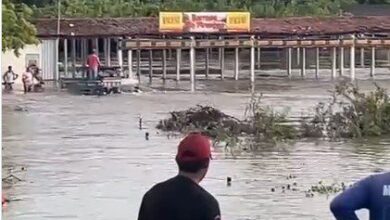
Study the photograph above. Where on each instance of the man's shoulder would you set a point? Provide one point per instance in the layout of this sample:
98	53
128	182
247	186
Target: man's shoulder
209	198
160	186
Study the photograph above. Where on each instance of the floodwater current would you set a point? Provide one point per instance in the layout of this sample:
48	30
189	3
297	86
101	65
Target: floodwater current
84	157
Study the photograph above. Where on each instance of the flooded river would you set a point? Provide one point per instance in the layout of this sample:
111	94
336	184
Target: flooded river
85	157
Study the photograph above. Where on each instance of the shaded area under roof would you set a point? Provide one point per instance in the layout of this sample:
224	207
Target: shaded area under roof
298	26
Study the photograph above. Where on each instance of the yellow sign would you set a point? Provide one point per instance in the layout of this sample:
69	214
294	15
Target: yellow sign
238	21
205	22
171	21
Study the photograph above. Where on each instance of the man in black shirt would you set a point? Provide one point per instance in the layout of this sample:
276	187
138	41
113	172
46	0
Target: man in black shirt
181	197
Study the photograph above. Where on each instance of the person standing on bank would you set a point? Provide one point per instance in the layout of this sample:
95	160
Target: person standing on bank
372	193
181	197
93	64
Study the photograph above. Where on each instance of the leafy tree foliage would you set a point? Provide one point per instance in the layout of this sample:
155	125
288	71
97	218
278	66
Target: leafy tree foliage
258	8
17	30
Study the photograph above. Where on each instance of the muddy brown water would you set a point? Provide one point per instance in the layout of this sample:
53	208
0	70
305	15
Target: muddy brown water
85	157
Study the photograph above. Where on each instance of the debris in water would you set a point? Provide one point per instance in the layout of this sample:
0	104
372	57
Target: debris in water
147	136
140	122
229	181
19	108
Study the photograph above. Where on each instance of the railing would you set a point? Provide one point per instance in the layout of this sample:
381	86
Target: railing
135	44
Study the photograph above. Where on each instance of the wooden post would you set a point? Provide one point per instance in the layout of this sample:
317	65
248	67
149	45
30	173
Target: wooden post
178	62
372	72
164	64
139	65
150	65
352	59
341	61
236	63
317	63
252	69
66	57
207	62
334	58
74	57
362	57
303	66
289	52
192	64
120	56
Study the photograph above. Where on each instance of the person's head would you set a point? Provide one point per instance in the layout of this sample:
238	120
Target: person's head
193	155
93	51
9	67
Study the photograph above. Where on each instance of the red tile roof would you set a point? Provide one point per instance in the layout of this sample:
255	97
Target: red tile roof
92	27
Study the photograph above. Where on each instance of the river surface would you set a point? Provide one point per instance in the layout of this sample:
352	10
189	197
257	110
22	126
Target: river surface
85	158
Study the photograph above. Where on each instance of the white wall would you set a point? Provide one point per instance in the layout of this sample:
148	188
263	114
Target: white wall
19	64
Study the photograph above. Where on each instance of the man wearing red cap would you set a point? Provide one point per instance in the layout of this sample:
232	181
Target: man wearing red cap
181	197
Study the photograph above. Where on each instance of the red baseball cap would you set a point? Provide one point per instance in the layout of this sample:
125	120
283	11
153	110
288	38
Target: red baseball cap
194	147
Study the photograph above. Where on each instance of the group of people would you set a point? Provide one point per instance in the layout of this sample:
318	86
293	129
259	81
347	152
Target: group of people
32	81
181	197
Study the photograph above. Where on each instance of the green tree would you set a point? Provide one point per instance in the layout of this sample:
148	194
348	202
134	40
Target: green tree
17	30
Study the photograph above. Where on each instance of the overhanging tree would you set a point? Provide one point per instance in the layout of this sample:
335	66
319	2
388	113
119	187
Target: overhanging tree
17	29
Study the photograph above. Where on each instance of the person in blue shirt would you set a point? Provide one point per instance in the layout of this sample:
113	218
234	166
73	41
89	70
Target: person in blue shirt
372	193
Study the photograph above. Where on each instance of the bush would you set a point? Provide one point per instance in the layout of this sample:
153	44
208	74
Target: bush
352	114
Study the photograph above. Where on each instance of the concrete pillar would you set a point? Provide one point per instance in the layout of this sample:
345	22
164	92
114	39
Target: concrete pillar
57	60
352	60
372	72
362	57
74	57
164	64
289	53
388	56
109	52
252	68
258	56
130	63
303	65
82	53
96	46
334	58
236	63
150	65
341	66
120	56
222	62
66	57
105	51
139	65
317	63
207	62
178	62
192	64
298	56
